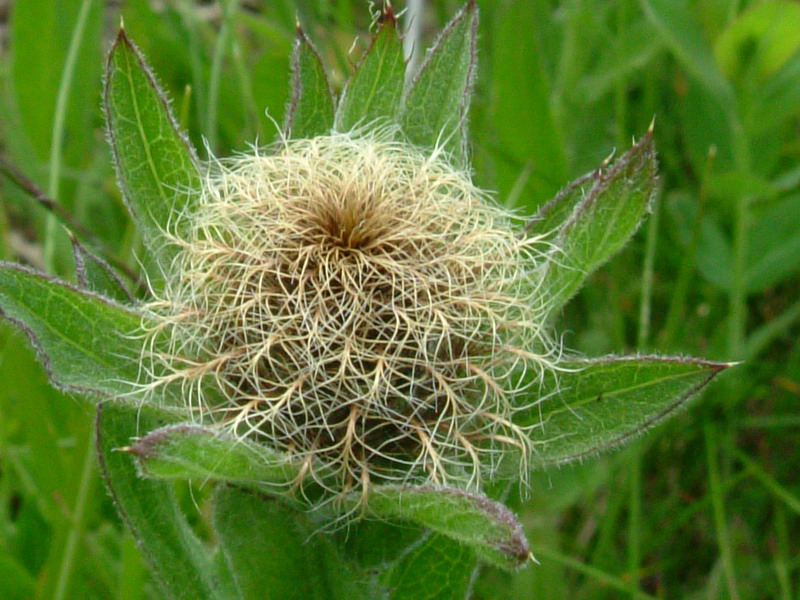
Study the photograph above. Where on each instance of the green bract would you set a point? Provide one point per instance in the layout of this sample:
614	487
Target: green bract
279	499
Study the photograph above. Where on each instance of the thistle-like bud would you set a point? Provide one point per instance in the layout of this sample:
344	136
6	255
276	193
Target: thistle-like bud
360	305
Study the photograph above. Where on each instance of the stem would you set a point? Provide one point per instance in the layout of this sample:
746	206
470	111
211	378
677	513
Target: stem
677	305
761	338
58	212
635	466
4	229
646	303
212	124
635	520
769	482
737	321
718	505
738	296
412	42
245	83
685	516
589	571
782	561
189	17
59	117
78	516
621	88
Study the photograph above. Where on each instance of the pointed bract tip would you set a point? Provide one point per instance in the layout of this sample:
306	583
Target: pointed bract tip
121	23
652	125
138	449
388	14
728	365
533	559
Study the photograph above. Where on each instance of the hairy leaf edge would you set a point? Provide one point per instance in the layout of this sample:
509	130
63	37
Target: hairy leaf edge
469	10
122	38
41	354
297	85
715	368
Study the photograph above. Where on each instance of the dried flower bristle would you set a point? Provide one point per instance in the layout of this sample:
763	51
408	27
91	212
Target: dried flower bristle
360	305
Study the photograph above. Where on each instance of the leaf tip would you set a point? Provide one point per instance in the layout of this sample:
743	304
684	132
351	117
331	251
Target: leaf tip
606	161
389	16
121	37
148	446
718	367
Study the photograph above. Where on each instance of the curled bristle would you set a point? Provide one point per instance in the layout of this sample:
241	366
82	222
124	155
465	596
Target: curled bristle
359	305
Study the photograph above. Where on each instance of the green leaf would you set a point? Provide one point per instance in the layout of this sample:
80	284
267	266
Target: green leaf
149	508
598	404
311	111
41	32
772	254
602	220
374	91
271	549
761	39
156	165
777	100
438	569
630	49
15	581
435	105
682	34
94	273
373	543
523	119
190	451
85	342
489	528
223	575
552	215
773	249
39	37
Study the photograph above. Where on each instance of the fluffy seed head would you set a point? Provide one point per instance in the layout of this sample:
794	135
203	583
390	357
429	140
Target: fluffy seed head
360	305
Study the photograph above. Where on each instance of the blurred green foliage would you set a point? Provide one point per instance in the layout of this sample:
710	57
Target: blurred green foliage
705	508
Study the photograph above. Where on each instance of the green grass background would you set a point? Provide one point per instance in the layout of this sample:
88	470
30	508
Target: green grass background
706	506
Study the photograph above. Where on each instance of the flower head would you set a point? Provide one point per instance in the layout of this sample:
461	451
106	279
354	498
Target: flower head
360	305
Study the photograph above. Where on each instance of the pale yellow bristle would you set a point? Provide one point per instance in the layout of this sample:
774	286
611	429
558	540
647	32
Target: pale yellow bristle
358	304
